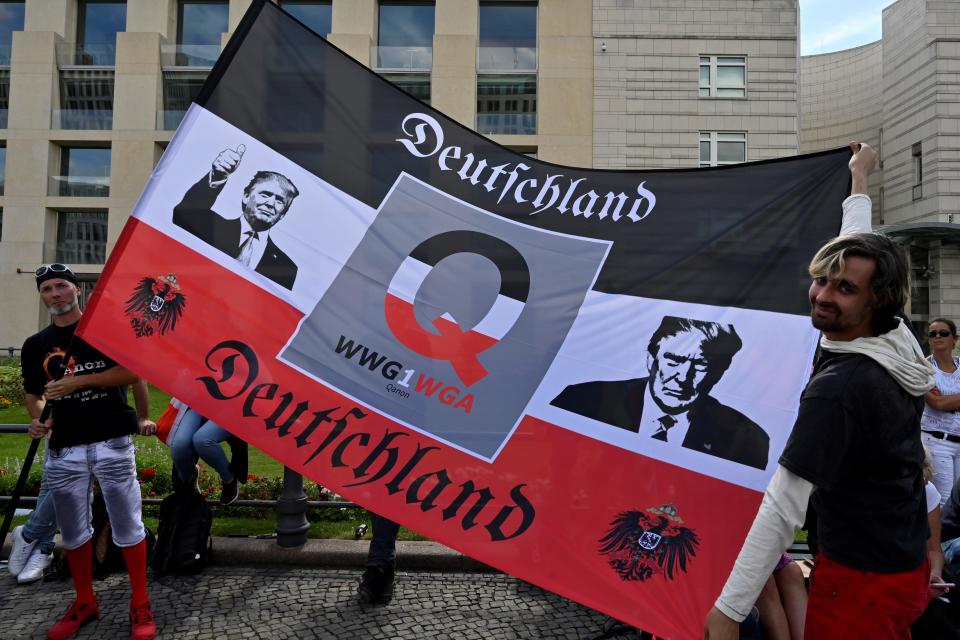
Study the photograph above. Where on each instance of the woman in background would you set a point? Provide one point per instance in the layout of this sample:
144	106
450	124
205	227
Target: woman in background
941	418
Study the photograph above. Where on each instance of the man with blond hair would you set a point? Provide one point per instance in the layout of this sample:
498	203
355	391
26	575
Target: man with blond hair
854	454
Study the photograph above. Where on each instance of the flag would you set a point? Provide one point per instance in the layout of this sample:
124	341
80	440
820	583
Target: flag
580	377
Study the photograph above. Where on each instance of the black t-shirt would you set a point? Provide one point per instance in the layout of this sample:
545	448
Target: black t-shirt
87	416
857	439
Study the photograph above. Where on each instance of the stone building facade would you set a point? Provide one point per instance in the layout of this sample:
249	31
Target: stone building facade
643	84
902	95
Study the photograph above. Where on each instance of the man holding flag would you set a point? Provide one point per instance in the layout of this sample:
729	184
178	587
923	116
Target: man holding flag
855	453
91	427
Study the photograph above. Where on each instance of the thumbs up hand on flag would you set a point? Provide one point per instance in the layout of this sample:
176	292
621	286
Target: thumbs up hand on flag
225	163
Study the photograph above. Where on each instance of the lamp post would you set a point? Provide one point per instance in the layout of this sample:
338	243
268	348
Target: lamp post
292	525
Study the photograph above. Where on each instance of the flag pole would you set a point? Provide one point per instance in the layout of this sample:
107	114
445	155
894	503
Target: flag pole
28	461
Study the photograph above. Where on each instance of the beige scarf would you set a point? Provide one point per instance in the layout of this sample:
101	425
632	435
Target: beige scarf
896	351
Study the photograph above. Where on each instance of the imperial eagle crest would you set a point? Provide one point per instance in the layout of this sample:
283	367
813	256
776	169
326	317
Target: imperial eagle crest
156	305
640	544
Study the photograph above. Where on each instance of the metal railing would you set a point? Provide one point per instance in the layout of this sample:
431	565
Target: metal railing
79	186
402	58
188	55
82	119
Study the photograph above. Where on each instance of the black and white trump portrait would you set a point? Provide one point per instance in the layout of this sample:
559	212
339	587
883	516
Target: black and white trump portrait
672	404
266	200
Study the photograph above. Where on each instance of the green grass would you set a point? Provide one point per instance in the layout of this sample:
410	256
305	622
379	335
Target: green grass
15	446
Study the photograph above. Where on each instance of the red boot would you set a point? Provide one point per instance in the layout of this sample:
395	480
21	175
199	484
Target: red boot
142	626
79	614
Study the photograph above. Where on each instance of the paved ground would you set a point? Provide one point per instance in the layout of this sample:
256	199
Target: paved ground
287	602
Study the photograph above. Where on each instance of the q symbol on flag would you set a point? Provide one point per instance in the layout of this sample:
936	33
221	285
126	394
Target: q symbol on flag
451	343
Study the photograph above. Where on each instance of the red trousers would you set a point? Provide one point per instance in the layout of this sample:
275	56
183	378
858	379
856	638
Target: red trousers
849	603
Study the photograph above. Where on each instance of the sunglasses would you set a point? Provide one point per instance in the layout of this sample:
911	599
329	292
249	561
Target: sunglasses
943	333
56	267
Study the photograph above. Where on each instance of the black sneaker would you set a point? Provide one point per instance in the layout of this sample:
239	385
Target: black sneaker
376	585
229	492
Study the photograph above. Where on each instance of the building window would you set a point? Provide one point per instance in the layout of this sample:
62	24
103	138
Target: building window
200	25
82	237
880	147
98	23
506	68
416	84
84	172
316	15
917	153
180	89
1	224
4	96
405	36
507	104
3	169
508	37
718	148
11	19
86	99
404	51
86	282
530	152
881	205
723	76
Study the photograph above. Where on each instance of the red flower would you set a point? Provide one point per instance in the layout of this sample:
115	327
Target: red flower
148	473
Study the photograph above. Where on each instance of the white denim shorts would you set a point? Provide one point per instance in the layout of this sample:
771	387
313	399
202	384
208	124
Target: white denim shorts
70	472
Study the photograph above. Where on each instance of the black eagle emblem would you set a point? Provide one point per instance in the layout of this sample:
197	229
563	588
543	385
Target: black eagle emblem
640	544
156	305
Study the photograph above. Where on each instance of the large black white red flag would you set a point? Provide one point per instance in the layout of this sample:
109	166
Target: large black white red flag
583	378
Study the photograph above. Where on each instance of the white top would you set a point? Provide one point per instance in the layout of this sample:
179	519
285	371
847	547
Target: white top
933	497
948	384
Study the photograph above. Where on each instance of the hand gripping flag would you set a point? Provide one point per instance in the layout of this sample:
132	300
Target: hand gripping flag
583	378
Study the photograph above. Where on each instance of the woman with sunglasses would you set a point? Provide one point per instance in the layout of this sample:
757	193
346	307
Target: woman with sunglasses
941	415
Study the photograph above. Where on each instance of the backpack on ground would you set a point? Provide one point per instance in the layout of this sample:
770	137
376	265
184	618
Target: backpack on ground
107	556
183	544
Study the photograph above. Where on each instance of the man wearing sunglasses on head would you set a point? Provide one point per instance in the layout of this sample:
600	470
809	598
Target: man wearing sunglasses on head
91	428
854	453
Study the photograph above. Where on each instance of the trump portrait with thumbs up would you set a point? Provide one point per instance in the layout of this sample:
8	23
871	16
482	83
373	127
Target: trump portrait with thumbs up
266	200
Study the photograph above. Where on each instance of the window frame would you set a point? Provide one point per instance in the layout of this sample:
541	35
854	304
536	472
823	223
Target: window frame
486	130
65	187
3	169
82	19
713	63
375	58
96	119
181	3
393	76
916	156
166	121
715	137
62	255
481	70
5	55
329	3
